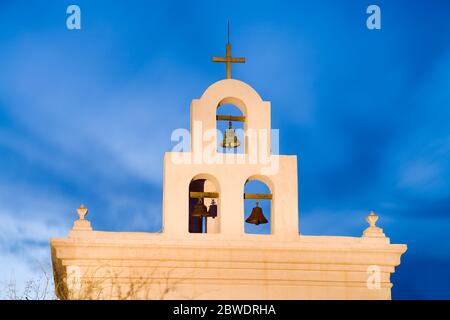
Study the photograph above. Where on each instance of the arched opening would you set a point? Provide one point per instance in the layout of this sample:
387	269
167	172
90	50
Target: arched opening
230	123
204	213
257	207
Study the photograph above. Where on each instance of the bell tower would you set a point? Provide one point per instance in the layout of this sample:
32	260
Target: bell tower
221	239
209	185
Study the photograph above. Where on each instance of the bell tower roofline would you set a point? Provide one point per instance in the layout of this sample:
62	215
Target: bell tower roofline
255	112
233	92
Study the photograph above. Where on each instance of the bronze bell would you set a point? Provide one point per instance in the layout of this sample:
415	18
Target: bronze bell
212	212
200	209
257	216
230	139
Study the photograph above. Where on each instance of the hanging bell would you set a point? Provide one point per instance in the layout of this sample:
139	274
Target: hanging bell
200	209
212	212
230	139
257	216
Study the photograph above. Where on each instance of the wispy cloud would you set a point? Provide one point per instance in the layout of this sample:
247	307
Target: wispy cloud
28	219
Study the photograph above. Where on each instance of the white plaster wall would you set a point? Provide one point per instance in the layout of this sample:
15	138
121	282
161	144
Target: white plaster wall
308	268
230	180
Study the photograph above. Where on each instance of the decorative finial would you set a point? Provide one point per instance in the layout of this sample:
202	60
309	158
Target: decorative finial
82	224
372	219
373	231
228	59
82	211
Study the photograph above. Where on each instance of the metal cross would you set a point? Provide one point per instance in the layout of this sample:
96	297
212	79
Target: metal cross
228	59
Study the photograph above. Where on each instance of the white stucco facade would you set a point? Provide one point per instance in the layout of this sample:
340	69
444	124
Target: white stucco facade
225	262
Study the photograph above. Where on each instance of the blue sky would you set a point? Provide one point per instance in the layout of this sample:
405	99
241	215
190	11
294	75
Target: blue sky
86	116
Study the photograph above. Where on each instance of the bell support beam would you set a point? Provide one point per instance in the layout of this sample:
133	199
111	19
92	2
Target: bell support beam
194	194
265	196
231	118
